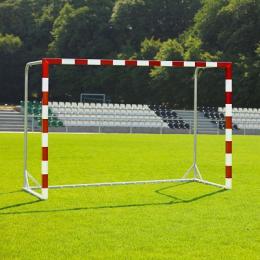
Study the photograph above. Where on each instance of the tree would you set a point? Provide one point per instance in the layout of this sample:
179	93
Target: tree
83	31
138	19
10	46
226	30
229	26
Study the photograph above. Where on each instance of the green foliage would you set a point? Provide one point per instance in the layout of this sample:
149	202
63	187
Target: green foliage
170	50
149	48
242	18
139	19
58	25
210	30
9	44
171	86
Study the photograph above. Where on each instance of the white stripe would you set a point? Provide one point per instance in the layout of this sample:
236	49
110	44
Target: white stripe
94	62
166	63
44	112
228	85
68	61
142	63
45	84
119	62
45	167
45	194
44	139
228	159
228	183
189	63
211	64
228	109
228	135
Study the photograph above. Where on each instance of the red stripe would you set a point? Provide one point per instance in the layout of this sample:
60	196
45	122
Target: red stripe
228	97
228	122
45	68
228	73
45	126
229	172
154	63
107	62
81	62
228	146
44	153
200	64
54	61
45	98
131	63
223	65
228	68
178	63
44	180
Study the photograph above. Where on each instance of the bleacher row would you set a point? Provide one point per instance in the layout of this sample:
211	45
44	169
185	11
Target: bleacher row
215	116
97	114
241	109
245	118
97	105
133	115
35	109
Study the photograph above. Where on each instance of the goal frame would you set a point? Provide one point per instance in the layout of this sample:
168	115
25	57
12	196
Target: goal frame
196	177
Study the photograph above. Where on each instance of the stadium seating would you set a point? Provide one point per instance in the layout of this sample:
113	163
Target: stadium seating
136	115
216	117
170	117
116	115
35	109
245	118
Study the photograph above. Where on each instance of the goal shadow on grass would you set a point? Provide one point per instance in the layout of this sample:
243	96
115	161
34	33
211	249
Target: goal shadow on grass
161	192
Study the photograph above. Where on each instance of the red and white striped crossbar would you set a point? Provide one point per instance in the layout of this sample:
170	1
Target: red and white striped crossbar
227	66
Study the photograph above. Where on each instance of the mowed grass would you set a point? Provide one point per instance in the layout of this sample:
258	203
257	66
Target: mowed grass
157	221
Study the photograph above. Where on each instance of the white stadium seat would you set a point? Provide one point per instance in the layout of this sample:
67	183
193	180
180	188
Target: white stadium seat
80	105
86	105
61	104
67	104
127	115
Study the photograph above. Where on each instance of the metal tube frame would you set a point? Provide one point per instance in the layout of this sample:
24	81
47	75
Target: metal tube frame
194	167
26	185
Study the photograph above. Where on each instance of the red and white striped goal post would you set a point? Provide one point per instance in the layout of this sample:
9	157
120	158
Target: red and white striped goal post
226	66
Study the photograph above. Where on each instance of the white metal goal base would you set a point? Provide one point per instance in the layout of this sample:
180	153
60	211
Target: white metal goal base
46	62
42	196
196	178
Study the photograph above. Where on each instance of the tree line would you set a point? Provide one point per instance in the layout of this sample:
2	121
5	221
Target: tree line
210	30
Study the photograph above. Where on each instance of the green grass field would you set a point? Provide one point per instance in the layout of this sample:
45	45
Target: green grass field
157	221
